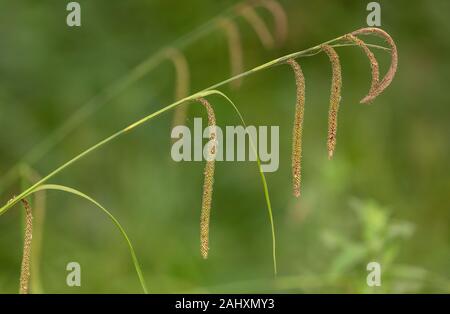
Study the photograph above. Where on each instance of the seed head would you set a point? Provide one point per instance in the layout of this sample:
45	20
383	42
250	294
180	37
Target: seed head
335	97
25	269
182	82
208	182
373	64
257	23
234	47
280	18
298	127
386	81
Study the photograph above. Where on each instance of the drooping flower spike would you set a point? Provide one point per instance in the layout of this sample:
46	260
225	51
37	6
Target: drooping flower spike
298	127
335	98
208	180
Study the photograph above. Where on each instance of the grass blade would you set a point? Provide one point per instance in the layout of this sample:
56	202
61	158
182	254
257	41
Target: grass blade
114	220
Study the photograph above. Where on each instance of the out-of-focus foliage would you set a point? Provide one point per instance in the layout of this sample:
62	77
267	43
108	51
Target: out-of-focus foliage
384	197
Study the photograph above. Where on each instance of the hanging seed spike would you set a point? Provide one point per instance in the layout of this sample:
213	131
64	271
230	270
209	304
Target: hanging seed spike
182	72
335	98
208	183
280	18
182	82
373	64
234	48
36	252
258	25
26	258
298	127
389	76
206	209
38	220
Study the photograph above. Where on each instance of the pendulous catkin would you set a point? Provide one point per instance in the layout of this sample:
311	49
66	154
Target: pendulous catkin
386	81
208	181
25	269
182	82
234	48
280	18
298	127
335	98
373	62
258	24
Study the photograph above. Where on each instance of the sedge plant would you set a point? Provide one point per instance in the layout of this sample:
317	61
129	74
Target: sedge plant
328	48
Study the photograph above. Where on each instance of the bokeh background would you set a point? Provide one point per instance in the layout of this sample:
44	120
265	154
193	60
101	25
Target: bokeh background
384	197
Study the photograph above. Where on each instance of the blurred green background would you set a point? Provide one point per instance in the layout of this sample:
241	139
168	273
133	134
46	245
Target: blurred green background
384	197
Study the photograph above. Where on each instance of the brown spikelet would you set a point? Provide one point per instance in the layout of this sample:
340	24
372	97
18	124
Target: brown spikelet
208	182
389	76
39	206
182	82
280	17
25	269
257	24
36	252
298	127
373	62
234	47
335	97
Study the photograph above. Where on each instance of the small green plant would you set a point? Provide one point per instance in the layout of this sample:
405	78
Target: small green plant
379	237
327	47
